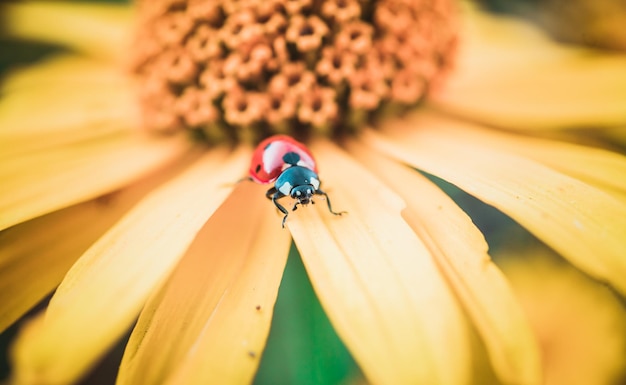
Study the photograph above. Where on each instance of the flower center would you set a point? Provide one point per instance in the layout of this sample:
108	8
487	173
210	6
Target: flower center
246	69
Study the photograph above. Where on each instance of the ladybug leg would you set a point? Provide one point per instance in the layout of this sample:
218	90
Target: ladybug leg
282	209
269	193
330	208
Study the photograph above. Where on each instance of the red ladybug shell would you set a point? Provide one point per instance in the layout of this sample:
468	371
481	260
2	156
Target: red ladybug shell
277	153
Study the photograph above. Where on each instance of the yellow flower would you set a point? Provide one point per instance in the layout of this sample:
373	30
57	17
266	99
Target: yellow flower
128	223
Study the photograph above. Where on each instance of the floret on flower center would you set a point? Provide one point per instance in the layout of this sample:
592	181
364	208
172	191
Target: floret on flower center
229	68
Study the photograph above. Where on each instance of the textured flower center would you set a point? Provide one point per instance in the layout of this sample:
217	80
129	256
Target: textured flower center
246	69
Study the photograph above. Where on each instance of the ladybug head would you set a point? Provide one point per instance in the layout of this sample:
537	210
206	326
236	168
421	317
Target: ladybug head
303	193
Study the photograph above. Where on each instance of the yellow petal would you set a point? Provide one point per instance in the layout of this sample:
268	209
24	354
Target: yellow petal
97	29
214	313
43	181
35	255
461	254
522	80
63	68
84	97
104	291
377	282
601	168
486	41
574	218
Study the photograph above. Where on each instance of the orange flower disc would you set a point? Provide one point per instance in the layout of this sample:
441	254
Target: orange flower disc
286	66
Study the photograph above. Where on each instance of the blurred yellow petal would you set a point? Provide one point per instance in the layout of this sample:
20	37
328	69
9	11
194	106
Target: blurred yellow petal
580	323
487	42
501	42
68	107
601	168
461	253
214	313
43	181
511	76
103	292
378	283
574	218
66	69
101	30
35	255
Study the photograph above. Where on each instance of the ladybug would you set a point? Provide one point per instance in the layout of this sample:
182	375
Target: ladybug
277	153
288	163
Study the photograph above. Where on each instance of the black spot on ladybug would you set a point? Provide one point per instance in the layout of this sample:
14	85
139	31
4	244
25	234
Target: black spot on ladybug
258	168
291	158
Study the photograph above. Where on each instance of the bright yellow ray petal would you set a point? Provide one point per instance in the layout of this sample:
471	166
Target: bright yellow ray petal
34	256
521	80
97	29
66	97
104	291
576	219
43	181
461	253
214	312
378	282
601	168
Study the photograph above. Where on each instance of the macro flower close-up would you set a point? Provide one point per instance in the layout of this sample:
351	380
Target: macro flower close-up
138	211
